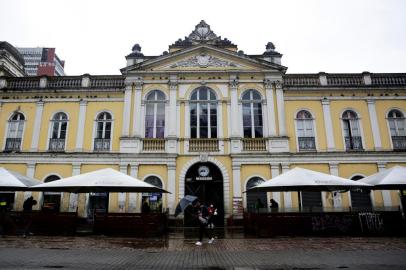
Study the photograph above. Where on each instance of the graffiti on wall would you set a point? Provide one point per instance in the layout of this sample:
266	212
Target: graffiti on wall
331	223
371	222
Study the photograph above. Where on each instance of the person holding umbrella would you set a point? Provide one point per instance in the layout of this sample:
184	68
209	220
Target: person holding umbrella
202	215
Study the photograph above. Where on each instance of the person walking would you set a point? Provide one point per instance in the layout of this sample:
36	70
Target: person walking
274	205
27	210
201	213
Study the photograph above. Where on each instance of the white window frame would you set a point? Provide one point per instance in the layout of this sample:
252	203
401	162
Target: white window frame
387	123
314	128
95	120
155	103
359	125
51	126
251	102
208	103
8	126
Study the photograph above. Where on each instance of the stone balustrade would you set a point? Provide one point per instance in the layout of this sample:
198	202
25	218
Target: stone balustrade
204	145
254	144
153	145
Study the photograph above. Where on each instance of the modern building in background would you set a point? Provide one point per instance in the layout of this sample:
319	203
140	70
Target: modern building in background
11	61
205	119
42	61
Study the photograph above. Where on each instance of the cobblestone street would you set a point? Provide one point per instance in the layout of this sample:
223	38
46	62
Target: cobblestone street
177	253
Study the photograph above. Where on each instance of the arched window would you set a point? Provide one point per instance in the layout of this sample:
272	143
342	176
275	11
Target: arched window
255	199
155	115
252	114
15	132
52	200
305	131
352	132
397	129
203	113
58	132
103	132
152	201
360	198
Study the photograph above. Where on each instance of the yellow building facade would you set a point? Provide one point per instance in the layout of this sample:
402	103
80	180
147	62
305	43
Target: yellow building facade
206	119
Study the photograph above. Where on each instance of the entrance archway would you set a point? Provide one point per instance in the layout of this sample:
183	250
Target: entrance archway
205	181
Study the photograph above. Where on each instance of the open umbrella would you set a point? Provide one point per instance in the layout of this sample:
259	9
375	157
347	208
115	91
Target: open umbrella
13	181
393	178
299	179
183	203
104	180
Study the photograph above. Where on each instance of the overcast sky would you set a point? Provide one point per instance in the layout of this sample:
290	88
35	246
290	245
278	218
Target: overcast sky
332	36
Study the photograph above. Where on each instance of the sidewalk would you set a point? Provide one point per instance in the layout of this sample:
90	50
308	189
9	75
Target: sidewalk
99	252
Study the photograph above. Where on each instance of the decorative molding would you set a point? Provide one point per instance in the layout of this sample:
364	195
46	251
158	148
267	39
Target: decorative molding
203	60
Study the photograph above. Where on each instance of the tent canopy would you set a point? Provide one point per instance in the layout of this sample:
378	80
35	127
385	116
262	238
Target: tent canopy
104	180
299	179
13	181
393	178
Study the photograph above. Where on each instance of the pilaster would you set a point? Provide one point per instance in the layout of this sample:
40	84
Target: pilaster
274	173
171	187
328	124
132	197
280	103
287	196
270	108
235	136
337	196
81	126
122	195
171	146
374	124
386	194
73	199
30	173
37	126
126	112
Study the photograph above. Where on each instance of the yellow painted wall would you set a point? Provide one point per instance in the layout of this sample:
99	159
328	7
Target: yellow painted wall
160	171
72	110
337	107
22	169
382	109
93	109
28	110
315	108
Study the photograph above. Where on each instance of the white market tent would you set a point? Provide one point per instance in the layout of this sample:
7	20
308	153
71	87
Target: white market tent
393	178
104	180
13	181
299	179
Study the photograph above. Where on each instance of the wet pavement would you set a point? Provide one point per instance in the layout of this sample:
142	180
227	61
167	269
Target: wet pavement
176	252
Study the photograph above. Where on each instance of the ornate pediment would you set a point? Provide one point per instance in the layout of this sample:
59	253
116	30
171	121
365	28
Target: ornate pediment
203	60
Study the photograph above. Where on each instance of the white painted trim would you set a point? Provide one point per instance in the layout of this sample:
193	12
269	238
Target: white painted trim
51	125
387	122
328	125
235	111
127	112
11	114
94	133
386	194
81	126
226	181
245	189
314	128
37	125
374	124
280	103
360	126
138	113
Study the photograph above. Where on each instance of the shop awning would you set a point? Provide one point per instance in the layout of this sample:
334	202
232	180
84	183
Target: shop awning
104	180
13	181
393	178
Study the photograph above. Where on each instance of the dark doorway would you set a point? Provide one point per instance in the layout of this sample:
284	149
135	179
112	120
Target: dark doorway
98	203
205	181
360	198
311	201
52	200
253	204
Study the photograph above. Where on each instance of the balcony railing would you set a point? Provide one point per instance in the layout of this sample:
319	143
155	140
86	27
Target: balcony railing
353	143
306	143
153	145
13	144
57	145
204	145
101	145
254	144
399	142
